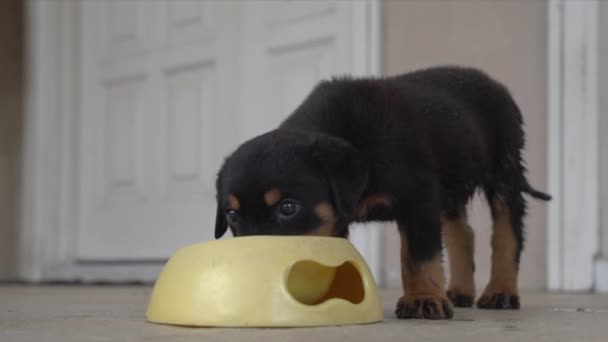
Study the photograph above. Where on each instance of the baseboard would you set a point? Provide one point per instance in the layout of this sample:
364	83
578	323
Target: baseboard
601	275
104	273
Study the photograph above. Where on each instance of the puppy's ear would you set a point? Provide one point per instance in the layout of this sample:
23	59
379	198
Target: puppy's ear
345	170
221	225
220	222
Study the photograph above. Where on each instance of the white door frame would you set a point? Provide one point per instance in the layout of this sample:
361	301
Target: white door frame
601	262
367	43
49	206
48	202
573	221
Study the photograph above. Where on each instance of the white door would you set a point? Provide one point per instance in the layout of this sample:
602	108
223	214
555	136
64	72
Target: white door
287	48
158	114
169	88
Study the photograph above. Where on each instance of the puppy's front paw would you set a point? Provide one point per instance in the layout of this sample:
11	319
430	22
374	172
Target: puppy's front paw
500	301
424	308
461	300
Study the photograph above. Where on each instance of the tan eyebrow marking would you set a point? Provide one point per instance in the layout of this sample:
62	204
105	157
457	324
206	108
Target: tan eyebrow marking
233	202
272	196
326	214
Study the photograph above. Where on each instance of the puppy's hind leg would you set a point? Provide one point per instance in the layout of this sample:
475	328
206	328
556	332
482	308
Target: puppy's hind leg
508	210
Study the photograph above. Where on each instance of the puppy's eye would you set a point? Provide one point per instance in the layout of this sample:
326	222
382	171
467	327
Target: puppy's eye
232	217
288	208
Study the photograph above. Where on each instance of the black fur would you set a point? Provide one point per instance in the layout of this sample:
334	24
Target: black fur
429	139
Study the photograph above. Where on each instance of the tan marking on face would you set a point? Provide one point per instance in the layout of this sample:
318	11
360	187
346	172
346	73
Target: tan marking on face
272	196
233	202
460	242
503	278
421	280
375	200
327	215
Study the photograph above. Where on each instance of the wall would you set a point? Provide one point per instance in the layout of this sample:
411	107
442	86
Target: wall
508	40
11	108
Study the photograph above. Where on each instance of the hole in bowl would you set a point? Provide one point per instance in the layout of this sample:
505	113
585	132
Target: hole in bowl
311	283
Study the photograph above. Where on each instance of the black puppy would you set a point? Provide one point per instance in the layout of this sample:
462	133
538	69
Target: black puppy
412	149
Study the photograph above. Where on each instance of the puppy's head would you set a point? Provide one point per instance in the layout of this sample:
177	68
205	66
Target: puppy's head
289	183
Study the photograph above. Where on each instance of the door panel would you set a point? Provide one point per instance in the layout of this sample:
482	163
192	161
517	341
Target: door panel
152	95
291	46
293	73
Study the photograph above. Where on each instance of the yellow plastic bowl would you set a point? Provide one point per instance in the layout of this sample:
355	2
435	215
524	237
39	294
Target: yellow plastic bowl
266	281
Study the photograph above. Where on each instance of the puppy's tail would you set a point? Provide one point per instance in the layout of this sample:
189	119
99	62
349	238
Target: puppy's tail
527	188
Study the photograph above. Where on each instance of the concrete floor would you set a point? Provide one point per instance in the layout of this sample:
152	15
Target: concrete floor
117	314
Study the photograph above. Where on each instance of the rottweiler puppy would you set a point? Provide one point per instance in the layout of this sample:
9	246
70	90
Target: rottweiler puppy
413	148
